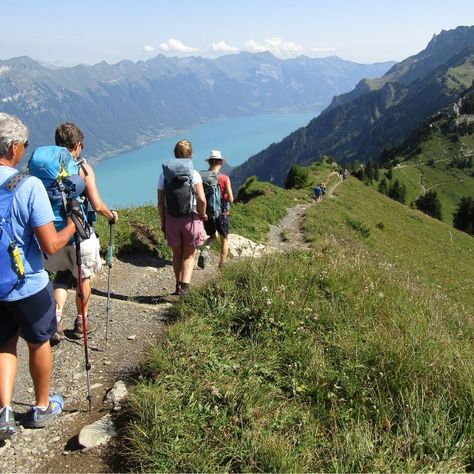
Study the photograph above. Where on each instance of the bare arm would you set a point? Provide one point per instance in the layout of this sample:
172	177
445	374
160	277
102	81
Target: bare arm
201	201
93	193
50	240
228	191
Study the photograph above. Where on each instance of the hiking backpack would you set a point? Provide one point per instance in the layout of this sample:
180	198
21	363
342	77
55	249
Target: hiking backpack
59	172
11	261
212	190
179	186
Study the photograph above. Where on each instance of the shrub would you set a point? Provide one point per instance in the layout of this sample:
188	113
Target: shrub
298	178
463	218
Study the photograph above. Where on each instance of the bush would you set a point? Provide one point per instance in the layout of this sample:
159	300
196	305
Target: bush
298	178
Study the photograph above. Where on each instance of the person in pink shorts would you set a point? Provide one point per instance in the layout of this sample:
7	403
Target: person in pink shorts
184	233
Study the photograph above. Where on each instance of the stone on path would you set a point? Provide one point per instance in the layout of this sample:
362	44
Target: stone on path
98	433
117	394
242	247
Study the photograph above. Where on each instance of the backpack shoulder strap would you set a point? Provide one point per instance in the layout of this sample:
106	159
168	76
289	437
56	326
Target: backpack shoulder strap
13	182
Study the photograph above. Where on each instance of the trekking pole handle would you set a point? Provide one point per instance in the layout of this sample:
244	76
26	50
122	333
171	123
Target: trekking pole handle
113	219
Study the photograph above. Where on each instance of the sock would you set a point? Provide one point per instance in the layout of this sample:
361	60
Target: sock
41	408
184	285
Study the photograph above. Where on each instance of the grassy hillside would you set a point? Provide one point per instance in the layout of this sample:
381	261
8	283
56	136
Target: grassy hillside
355	356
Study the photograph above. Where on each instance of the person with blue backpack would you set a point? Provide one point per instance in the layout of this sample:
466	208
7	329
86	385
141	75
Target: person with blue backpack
26	297
182	210
219	197
51	164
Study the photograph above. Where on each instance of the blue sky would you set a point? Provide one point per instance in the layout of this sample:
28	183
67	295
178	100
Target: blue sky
68	32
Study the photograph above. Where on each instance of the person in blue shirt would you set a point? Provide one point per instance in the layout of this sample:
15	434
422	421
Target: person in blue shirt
29	308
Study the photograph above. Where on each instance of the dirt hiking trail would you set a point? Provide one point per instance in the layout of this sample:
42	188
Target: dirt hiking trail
140	299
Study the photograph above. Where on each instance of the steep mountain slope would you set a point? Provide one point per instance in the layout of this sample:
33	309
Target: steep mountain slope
125	104
378	113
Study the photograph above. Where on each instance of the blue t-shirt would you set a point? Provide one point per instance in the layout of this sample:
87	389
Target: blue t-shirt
30	208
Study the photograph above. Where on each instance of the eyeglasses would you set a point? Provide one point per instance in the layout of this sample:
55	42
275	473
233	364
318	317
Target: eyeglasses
81	145
25	145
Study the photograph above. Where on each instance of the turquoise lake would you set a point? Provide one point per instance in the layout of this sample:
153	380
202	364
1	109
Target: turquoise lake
130	179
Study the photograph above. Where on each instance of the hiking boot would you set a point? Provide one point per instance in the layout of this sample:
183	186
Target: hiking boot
7	423
91	326
59	335
184	290
202	258
177	289
37	418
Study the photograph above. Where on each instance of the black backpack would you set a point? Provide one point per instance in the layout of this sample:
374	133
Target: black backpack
179	186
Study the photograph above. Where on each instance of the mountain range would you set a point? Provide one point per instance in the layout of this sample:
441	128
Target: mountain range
378	114
123	105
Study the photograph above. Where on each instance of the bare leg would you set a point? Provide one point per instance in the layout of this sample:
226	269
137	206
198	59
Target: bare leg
8	366
224	250
60	296
177	261
41	368
187	264
86	290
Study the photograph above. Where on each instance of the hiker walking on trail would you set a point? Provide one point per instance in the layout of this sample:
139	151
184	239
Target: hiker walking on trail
69	136
218	191
317	193
182	209
26	297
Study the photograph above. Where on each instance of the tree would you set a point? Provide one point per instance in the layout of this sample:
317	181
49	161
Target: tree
430	204
463	218
383	186
298	178
397	191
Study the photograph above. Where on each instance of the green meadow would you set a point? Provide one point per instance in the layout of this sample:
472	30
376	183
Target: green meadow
354	356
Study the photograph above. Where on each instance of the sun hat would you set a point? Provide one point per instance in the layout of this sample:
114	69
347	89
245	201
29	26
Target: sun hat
215	155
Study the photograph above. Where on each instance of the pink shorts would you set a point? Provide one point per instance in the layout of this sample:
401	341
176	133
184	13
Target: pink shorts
186	230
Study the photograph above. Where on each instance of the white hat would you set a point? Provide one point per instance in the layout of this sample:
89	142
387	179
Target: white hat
215	155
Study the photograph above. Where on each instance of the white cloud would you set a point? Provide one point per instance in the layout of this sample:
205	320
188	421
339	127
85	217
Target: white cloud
275	45
223	47
148	48
174	45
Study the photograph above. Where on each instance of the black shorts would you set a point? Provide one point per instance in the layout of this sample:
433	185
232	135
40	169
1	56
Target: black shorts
35	316
220	225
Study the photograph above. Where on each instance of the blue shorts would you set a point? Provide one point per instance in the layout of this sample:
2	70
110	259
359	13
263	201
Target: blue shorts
220	225
34	316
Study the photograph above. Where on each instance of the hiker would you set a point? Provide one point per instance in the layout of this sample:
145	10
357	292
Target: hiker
26	302
182	208
69	136
218	221
317	193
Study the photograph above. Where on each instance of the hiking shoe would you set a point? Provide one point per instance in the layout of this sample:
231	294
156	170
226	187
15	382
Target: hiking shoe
202	258
91	326
184	290
177	290
7	423
37	418
59	335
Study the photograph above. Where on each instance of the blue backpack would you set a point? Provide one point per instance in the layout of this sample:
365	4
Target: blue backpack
59	172
11	261
212	190
179	186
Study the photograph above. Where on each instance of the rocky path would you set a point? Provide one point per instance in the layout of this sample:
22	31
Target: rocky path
140	300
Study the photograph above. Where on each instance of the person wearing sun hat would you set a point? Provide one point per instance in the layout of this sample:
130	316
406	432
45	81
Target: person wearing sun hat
218	226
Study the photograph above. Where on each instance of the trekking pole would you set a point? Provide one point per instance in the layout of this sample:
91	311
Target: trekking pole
84	322
109	280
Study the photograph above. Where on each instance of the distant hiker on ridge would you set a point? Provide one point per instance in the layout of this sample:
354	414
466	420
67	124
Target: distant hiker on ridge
182	208
218	191
69	136
26	296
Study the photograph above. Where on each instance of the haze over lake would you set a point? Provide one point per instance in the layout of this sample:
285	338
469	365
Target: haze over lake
130	179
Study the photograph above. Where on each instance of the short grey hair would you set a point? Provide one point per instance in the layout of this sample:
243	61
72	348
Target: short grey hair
12	129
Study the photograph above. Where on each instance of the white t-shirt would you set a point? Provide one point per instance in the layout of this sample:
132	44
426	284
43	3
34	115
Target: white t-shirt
196	180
